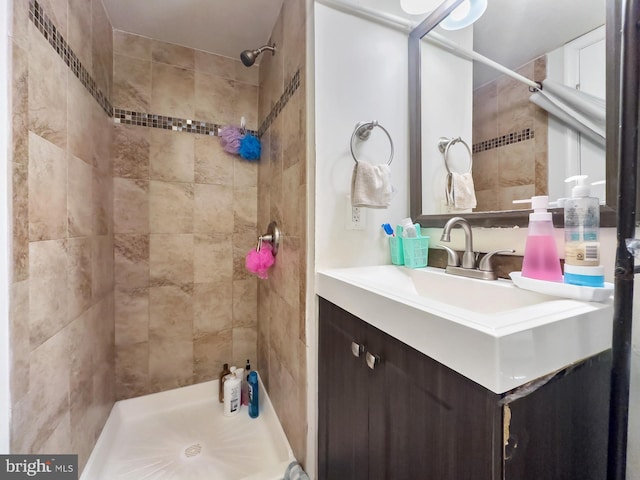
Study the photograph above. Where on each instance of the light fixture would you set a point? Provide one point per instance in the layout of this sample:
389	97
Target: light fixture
464	15
418	7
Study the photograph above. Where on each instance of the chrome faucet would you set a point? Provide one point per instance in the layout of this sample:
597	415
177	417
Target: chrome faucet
468	268
469	258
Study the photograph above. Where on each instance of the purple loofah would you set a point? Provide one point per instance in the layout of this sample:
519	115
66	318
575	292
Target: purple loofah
230	138
250	148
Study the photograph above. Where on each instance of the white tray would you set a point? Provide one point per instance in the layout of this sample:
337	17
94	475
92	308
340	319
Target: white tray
557	289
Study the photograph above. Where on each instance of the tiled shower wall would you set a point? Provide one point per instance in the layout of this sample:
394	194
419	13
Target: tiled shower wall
282	181
62	320
509	141
184	217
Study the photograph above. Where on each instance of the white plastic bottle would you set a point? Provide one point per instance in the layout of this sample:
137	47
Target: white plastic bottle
581	236
232	391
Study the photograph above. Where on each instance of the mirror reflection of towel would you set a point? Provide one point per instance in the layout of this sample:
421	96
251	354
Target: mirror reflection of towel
371	185
460	191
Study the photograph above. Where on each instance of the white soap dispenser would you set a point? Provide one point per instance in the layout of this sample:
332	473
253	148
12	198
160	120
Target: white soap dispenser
581	236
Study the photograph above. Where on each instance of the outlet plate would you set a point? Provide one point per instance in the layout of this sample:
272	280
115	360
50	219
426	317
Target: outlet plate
354	217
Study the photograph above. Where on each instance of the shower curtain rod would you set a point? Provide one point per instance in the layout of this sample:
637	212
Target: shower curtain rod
471	55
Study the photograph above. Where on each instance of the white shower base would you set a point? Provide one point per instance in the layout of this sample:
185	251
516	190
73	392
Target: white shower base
182	434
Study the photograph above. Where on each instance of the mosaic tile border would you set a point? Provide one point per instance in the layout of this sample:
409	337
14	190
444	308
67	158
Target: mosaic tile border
508	139
142	119
44	24
281	103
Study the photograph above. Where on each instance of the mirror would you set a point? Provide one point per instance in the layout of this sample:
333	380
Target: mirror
516	145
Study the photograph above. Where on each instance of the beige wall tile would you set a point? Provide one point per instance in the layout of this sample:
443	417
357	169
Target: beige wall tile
170	362
246	104
244	345
56	10
513	106
131	45
245	300
49	375
102	203
131	261
81	126
213	209
172	91
19	104
212	258
516	164
48	311
101	266
242	243
171	207
294	142
213	64
171	259
216	99
131	151
487	200
245	173
19	340
20	24
131	316
80	207
20	222
485	170
248	75
79	12
212	307
132	370
131	83
485	112
507	195
172	54
130	206
47	190
102	47
210	352
212	164
172	156
79	275
245	208
295	201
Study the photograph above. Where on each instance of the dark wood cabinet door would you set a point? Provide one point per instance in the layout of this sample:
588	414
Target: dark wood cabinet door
343	437
427	421
560	431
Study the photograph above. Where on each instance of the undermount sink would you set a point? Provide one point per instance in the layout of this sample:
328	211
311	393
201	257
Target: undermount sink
494	333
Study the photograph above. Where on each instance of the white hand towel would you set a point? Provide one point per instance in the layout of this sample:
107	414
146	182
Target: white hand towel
460	191
371	185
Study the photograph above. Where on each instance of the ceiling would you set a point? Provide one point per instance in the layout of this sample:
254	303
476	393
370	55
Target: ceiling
511	32
225	27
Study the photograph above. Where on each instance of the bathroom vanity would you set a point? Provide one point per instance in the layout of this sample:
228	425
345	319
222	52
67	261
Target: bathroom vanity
392	406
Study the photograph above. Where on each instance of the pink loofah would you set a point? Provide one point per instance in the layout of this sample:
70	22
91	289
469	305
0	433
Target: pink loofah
259	262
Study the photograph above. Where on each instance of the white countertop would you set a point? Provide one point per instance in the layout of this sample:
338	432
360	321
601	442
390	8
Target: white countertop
492	332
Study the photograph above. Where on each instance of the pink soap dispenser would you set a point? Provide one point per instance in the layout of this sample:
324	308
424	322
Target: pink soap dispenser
541	260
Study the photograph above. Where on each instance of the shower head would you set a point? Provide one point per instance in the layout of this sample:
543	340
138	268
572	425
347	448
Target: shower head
249	57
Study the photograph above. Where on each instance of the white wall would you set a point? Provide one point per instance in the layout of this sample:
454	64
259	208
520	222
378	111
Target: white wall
360	75
4	224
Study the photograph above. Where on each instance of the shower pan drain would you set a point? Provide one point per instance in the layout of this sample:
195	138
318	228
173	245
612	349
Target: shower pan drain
193	450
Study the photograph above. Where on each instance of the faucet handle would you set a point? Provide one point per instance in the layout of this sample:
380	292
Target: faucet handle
452	256
485	262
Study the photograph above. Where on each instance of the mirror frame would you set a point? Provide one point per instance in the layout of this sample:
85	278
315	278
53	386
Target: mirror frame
510	218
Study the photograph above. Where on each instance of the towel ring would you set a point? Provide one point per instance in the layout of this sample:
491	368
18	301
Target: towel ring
444	144
363	132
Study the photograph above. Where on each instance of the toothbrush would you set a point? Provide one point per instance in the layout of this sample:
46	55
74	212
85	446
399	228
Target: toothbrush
388	230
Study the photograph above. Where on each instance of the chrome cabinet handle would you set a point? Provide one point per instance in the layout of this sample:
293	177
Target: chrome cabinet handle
357	349
372	360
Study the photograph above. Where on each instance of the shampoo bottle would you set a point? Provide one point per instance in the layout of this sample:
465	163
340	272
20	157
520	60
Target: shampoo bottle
232	388
225	371
581	237
254	395
541	260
